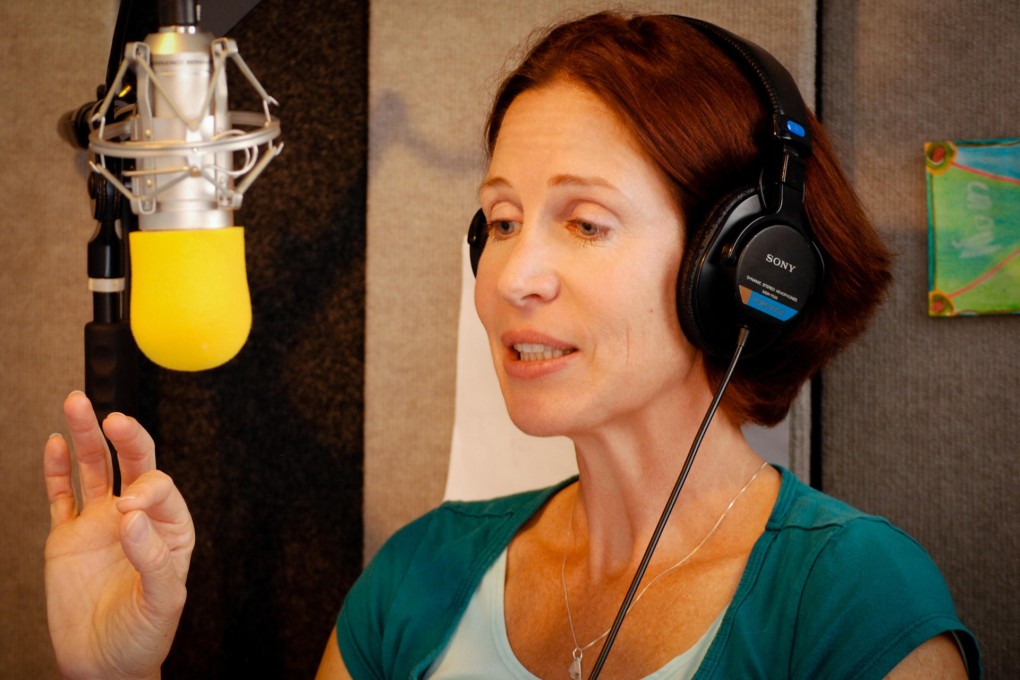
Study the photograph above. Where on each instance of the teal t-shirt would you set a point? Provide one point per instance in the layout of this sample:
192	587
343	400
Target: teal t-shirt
828	592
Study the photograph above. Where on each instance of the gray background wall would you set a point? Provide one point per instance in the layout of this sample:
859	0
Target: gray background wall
46	54
921	421
918	420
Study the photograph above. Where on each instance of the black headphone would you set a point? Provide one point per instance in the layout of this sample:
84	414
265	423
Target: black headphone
753	262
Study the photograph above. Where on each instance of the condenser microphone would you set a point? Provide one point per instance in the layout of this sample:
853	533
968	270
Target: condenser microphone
193	159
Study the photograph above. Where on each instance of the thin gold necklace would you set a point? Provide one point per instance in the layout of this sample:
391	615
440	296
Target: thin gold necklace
579	650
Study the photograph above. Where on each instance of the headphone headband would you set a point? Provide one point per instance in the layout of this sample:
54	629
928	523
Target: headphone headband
789	114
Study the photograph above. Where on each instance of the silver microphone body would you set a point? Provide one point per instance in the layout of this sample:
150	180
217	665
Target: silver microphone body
180	58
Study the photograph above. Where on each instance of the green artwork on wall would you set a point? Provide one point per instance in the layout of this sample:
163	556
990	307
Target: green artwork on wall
973	227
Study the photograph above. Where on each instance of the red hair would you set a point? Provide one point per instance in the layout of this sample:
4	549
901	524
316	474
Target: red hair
703	123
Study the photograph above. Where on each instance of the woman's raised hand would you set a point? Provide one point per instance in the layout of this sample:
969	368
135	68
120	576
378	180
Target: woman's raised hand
116	567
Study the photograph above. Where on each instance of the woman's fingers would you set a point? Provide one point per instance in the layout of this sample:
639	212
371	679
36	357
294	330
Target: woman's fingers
155	494
95	468
136	452
57	474
163	590
144	488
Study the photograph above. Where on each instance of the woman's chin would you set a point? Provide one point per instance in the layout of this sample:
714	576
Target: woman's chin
537	421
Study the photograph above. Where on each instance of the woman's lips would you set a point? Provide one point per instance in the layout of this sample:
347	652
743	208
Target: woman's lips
534	355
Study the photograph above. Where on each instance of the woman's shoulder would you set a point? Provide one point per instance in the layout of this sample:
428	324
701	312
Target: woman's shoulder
832	540
471	521
805	508
849	578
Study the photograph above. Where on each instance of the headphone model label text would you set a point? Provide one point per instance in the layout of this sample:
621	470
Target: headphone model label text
765	304
770	291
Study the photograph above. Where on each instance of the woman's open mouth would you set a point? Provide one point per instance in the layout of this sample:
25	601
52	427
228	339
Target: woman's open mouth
529	351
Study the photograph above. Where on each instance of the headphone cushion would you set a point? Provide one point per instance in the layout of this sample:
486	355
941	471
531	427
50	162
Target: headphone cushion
477	235
702	241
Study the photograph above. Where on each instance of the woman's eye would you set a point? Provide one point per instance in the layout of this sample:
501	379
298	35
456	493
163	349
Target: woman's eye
587	230
502	228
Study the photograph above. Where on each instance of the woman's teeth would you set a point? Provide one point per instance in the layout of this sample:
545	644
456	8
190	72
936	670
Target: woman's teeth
527	351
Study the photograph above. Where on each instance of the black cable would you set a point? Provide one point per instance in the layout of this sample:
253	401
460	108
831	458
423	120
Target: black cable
668	510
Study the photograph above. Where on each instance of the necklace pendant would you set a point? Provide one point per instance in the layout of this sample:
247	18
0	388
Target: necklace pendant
575	666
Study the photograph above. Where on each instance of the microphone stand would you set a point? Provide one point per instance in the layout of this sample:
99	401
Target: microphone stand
111	355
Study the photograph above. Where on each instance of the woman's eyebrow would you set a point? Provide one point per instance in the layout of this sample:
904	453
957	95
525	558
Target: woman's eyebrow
579	180
557	180
493	182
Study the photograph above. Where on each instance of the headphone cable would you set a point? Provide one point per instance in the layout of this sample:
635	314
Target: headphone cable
667	511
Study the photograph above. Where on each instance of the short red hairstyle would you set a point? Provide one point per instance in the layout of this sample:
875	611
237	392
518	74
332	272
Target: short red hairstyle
701	120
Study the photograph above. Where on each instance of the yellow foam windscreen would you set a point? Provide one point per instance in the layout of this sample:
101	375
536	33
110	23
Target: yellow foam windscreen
190	306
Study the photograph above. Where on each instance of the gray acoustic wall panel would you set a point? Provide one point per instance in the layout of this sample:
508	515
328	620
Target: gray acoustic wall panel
920	421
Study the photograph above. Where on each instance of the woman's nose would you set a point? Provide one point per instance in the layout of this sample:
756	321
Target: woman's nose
528	269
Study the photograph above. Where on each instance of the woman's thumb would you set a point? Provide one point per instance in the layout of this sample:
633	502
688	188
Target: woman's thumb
162	589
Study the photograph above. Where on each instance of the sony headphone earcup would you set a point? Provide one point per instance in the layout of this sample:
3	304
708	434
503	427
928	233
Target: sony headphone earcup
745	268
478	233
704	293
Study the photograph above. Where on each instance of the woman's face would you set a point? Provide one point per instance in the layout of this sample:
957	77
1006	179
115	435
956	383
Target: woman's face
576	286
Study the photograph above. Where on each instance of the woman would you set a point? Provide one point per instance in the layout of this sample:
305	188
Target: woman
607	147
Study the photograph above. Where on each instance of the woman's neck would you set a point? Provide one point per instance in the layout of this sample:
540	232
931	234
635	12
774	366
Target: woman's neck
628	471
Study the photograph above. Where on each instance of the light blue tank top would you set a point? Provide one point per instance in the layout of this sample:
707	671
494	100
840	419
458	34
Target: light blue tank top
480	648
